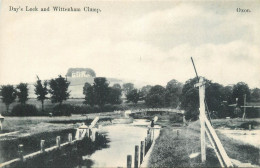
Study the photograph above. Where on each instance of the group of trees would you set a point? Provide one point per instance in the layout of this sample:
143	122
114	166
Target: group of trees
155	96
100	93
9	94
174	94
58	91
218	98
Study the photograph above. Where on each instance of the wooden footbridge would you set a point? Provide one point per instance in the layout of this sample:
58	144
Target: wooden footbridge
170	110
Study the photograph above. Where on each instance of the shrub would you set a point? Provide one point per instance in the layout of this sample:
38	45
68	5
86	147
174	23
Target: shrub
24	110
63	110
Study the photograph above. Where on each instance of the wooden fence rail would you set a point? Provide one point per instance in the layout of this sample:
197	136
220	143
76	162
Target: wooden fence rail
58	146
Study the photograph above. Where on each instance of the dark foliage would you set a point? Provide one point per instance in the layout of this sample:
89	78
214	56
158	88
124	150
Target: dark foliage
22	92
156	97
133	96
41	91
59	90
101	91
127	88
63	110
173	92
8	94
24	110
114	95
255	95
239	90
88	91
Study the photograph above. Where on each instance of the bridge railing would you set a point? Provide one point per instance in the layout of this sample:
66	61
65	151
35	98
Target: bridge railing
158	109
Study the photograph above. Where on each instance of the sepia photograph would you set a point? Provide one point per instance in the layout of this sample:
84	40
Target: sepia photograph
129	83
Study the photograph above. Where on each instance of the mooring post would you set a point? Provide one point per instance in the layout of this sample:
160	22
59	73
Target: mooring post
136	156
142	152
129	161
250	127
20	152
145	146
70	137
42	145
58	141
201	86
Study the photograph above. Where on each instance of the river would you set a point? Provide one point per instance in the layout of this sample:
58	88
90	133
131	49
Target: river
123	138
117	141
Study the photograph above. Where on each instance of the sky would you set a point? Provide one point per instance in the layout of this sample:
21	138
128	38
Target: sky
148	41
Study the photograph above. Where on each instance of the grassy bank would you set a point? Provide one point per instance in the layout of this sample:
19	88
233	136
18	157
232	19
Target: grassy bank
235	149
172	150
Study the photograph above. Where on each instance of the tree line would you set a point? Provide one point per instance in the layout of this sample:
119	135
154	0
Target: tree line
99	94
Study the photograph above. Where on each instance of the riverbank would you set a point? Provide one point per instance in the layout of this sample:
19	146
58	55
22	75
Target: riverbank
27	126
182	149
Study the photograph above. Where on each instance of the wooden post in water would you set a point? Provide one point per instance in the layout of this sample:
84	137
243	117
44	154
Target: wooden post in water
42	144
201	86
136	156
70	137
142	152
145	146
58	141
129	161
20	152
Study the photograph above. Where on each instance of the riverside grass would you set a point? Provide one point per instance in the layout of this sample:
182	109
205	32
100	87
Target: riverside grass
171	150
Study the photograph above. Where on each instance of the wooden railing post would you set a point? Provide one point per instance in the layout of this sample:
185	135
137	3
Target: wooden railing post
58	141
142	152
129	161
42	144
20	152
136	156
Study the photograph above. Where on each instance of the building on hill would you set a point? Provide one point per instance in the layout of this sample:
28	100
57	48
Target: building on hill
81	73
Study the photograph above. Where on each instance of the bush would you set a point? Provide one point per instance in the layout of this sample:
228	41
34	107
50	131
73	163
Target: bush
63	110
176	118
24	110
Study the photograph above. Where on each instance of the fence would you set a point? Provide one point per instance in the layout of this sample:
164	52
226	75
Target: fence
89	133
144	148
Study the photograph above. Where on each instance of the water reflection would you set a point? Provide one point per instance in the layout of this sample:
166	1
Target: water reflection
112	145
123	138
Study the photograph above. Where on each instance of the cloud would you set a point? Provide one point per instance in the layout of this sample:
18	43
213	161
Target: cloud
152	45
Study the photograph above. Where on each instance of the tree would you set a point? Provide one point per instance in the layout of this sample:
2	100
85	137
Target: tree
59	90
127	88
85	87
239	90
227	94
214	96
173	92
41	91
117	86
255	95
89	94
144	92
190	99
133	96
22	92
8	94
114	96
156	96
101	91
